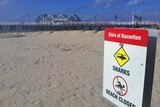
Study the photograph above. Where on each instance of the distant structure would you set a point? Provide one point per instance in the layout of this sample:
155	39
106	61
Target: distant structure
56	19
136	19
139	19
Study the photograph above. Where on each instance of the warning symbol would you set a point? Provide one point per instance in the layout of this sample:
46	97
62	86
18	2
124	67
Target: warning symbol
121	57
120	86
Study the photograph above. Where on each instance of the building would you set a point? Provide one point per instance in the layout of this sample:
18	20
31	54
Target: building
56	19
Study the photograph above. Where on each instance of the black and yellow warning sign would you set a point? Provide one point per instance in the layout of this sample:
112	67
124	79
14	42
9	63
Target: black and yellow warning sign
121	57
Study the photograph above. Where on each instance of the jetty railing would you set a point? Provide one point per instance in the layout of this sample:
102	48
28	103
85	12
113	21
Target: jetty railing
84	25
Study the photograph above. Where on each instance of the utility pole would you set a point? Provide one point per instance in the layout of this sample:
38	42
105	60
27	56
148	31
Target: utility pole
95	17
115	18
133	18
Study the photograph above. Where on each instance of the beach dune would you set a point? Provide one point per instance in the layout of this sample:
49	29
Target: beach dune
56	69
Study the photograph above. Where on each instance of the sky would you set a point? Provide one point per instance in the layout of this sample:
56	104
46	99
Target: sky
28	10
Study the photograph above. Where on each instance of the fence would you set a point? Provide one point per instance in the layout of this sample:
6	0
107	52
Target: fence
98	25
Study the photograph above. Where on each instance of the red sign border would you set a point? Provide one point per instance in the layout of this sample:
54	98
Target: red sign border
142	33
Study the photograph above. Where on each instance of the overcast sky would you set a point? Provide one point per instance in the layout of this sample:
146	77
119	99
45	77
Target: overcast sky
22	10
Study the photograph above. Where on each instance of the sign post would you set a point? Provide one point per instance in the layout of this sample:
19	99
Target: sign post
129	57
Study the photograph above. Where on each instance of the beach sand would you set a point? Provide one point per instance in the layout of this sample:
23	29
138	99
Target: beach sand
56	69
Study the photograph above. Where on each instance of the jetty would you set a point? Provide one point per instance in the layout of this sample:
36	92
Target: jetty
83	25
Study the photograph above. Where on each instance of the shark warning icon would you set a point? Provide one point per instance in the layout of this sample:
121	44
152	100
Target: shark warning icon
121	56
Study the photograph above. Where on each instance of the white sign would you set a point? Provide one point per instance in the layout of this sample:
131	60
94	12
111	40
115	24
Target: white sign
126	54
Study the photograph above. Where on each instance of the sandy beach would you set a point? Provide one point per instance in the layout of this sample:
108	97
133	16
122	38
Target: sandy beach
56	69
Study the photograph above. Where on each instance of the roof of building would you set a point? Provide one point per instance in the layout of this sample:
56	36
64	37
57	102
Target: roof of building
76	17
60	17
39	18
63	15
44	15
54	16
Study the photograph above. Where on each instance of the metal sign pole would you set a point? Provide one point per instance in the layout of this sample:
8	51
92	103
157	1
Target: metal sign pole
150	63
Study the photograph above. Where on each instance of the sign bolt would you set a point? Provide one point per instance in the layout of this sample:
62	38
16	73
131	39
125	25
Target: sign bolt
121	45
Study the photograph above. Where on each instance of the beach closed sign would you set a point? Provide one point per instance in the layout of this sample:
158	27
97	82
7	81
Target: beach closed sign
129	57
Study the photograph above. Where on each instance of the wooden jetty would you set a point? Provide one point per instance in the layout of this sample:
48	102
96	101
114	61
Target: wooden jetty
74	26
